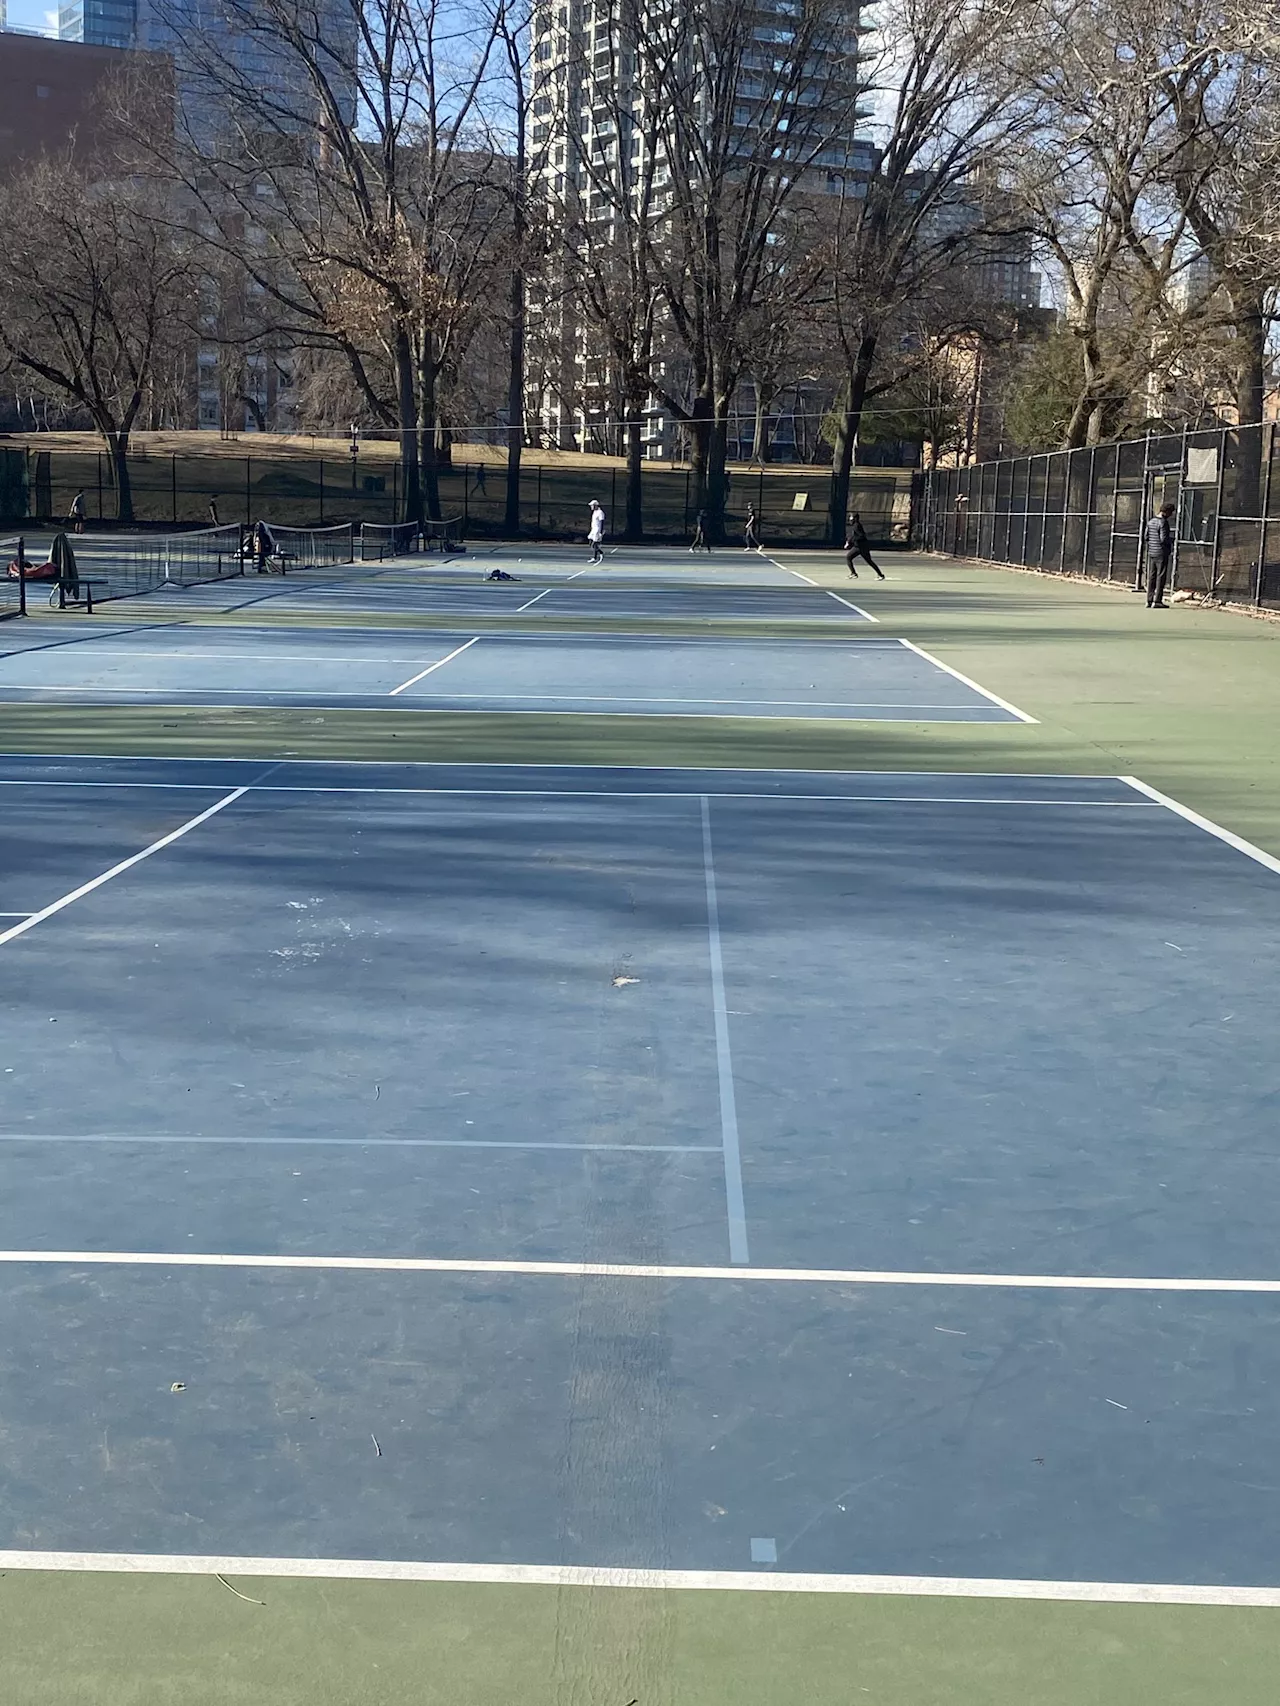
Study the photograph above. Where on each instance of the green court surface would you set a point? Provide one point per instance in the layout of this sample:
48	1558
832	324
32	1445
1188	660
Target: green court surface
1186	699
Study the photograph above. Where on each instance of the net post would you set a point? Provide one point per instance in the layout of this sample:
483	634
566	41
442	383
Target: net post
22	576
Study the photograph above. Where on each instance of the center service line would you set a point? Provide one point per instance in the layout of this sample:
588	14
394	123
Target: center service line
738	1251
439	664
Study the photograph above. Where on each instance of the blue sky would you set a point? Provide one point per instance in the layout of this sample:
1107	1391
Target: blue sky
32	15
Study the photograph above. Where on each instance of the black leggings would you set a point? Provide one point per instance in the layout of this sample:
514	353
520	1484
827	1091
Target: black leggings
852	551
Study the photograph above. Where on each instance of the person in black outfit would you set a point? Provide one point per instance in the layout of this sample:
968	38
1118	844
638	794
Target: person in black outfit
750	537
1159	551
856	544
700	540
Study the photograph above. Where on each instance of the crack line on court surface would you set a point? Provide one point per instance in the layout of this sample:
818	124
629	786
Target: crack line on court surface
609	1576
734	1201
439	664
127	864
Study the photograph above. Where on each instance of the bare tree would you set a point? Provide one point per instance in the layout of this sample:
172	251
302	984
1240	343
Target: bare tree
758	109
341	159
94	294
951	109
1220	73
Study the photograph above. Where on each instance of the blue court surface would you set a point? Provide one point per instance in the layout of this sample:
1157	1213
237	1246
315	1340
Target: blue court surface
706	1170
424	592
865	680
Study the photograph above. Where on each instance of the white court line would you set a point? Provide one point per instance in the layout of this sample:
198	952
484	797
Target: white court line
1205	823
968	681
124	865
145	653
638	1271
664	699
840	599
797	574
534	599
590	793
438	665
553	764
738	1251
15	915
598	1576
351	1142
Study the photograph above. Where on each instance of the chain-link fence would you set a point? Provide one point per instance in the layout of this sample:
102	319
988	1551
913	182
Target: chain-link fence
1084	511
288	487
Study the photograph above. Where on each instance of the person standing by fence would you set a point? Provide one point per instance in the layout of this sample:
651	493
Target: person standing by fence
1159	551
75	515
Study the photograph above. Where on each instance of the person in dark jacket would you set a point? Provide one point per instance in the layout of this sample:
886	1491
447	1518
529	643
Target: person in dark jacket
856	544
1159	552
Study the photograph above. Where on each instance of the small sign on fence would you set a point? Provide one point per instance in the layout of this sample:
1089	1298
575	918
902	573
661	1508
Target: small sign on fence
1202	466
800	501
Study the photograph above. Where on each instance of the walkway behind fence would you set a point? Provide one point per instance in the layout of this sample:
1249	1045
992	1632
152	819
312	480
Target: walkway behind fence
1083	511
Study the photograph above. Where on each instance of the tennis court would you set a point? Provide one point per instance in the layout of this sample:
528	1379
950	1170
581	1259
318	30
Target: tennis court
603	673
760	1174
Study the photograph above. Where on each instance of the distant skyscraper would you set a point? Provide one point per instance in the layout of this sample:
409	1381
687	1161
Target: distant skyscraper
101	23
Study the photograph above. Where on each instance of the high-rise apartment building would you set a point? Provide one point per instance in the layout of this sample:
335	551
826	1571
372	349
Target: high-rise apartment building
99	23
602	70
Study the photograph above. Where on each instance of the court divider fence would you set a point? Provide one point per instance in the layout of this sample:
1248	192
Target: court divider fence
1083	512
289	487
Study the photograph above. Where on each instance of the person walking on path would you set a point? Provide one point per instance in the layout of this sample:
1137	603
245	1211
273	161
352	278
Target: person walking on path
1159	551
213	512
481	477
856	544
700	540
595	533
750	537
75	515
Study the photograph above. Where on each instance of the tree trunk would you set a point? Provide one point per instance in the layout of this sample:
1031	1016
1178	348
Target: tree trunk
760	433
118	445
717	473
515	404
1251	375
410	468
847	438
635	477
698	426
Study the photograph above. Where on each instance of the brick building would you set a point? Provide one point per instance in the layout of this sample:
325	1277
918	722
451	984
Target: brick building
48	93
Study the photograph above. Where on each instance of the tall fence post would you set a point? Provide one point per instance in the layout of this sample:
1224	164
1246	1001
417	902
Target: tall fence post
99	485
173	486
466	489
537	525
322	491
1115	505
613	494
1266	513
248	491
1216	562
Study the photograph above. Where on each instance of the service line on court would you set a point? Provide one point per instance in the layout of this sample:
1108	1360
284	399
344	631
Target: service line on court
124	865
602	1576
734	1200
848	602
1205	823
273	1142
968	682
439	664
639	1271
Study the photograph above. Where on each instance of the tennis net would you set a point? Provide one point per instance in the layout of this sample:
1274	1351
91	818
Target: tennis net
312	547
382	539
447	534
124	565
